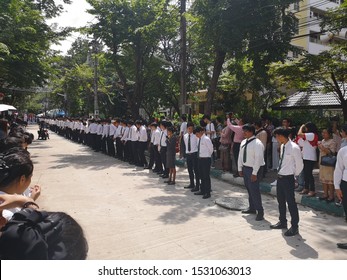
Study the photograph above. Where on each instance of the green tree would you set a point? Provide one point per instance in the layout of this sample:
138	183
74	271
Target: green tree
26	34
132	31
259	30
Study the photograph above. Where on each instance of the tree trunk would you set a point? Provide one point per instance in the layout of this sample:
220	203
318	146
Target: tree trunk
217	68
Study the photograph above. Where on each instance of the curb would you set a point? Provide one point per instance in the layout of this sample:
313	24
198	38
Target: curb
266	188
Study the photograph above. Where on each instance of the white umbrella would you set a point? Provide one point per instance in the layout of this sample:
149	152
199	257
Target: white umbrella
4	107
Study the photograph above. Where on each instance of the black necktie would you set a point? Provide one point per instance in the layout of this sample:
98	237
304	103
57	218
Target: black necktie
189	146
245	149
199	147
281	160
161	136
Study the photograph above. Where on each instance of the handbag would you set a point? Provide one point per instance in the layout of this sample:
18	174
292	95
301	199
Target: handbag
329	160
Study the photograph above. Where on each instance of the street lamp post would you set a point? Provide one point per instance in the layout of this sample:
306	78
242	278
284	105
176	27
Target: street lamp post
183	58
95	52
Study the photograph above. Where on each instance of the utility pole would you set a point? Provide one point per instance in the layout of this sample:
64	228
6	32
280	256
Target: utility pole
183	58
95	50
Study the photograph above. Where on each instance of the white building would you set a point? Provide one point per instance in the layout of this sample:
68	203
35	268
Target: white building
309	15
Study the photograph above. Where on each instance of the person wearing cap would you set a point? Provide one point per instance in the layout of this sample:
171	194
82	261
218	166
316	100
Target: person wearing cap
340	183
205	151
250	167
290	165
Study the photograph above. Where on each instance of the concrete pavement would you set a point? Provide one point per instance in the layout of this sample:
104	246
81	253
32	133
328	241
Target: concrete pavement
129	213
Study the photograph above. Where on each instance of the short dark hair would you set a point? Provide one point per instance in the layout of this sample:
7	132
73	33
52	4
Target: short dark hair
249	127
35	235
189	124
198	129
282	131
13	164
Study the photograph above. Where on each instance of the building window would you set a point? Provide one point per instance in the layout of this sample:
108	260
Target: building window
315	38
296	26
296	6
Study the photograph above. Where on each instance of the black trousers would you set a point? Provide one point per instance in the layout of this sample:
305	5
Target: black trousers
110	146
253	188
308	175
157	159
128	154
141	153
236	151
135	151
193	169
204	175
343	187
163	159
151	155
104	144
285	194
119	148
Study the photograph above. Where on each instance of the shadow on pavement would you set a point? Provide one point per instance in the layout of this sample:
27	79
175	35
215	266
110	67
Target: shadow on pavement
300	249
89	161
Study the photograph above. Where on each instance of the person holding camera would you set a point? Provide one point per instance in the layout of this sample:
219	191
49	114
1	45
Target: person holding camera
236	126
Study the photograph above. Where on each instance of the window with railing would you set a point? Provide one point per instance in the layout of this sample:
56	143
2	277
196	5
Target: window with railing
315	38
296	6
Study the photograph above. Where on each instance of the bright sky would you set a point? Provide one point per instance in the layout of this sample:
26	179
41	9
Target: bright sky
75	15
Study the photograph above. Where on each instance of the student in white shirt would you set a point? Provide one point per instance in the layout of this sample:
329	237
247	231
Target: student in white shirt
308	140
340	183
183	131
250	166
156	141
191	146
290	165
162	148
205	150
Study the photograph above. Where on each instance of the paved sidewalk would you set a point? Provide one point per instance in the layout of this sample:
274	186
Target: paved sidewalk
129	213
267	188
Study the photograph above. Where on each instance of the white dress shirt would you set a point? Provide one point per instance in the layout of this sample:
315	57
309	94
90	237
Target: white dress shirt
193	143
143	134
156	136
206	147
183	128
210	128
340	172
134	134
105	130
308	151
93	128
113	129
254	152
99	129
291	162
125	133
163	136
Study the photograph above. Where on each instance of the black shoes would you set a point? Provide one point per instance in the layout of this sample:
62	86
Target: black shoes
189	187
260	216
194	190
199	193
291	232
168	181
342	245
206	195
279	225
249	211
165	176
171	183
